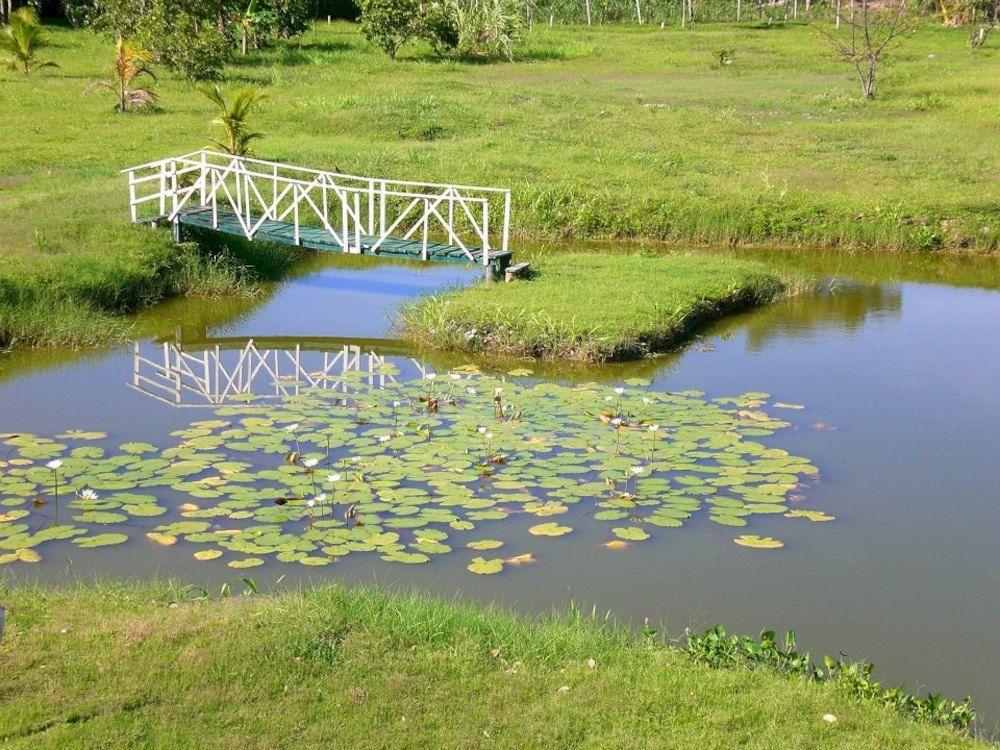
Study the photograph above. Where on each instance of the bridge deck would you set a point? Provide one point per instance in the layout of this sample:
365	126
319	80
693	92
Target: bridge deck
317	238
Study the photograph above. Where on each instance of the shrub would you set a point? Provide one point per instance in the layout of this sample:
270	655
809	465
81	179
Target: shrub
389	24
487	28
438	26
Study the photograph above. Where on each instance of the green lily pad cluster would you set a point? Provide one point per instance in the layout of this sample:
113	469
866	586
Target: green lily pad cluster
405	472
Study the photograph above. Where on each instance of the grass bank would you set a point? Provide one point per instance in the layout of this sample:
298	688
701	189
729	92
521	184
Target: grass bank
594	307
129	666
617	132
80	299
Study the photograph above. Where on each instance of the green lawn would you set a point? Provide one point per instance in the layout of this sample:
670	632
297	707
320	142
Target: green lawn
611	131
129	667
593	307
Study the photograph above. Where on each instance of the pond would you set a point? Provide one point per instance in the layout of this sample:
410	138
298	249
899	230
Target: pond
857	429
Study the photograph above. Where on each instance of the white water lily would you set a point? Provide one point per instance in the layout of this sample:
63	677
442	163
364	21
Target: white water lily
489	436
292	427
395	404
384	438
616	421
310	502
334	477
320	498
454	376
482	430
619	390
310	462
430	376
637	470
647	400
471	391
55	463
497	391
607	398
653	428
88	494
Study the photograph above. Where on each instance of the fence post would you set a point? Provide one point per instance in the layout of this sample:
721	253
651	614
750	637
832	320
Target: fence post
423	252
371	207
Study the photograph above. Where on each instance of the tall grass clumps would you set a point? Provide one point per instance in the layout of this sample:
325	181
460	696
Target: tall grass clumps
594	307
122	665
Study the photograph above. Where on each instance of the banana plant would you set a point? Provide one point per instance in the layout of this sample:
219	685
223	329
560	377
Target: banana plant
131	62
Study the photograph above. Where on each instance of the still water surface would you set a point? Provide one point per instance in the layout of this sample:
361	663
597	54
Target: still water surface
898	366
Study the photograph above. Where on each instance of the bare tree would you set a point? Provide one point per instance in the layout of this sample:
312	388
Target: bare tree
873	29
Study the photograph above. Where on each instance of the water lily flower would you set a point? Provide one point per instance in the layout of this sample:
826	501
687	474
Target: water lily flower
497	391
653	428
292	427
88	494
334	477
395	404
647	400
55	463
619	390
637	470
310	462
489	435
482	430
320	498
454	376
310	502
607	398
430	376
471	391
616	421
384	438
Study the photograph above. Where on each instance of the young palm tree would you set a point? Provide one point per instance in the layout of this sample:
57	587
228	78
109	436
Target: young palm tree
233	118
130	63
20	41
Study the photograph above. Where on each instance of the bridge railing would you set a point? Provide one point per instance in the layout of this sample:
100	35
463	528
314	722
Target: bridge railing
352	209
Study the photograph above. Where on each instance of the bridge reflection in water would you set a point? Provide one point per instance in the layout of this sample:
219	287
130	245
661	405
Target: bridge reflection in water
213	371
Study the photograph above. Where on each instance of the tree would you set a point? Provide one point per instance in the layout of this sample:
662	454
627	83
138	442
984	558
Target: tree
131	62
872	30
233	118
389	23
20	41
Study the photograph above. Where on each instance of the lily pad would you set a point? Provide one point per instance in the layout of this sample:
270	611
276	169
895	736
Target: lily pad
549	529
482	566
758	542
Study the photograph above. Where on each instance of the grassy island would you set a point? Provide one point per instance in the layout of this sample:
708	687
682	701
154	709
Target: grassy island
594	307
126	666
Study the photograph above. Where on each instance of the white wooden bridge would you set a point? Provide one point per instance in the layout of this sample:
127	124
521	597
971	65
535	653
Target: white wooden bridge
324	210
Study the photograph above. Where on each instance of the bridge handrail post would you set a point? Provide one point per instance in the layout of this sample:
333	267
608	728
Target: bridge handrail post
486	233
381	212
505	240
203	195
133	206
163	188
371	207
357	223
